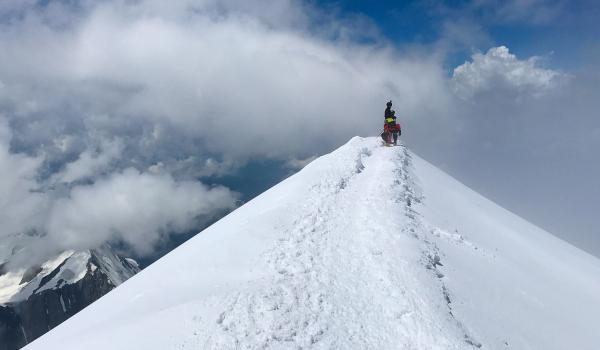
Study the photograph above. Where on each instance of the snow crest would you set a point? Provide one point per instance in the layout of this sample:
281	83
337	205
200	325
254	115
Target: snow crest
339	277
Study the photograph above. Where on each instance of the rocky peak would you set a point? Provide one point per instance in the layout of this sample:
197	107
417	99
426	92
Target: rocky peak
37	299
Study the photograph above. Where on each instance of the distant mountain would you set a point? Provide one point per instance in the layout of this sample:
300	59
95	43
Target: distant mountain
368	247
35	300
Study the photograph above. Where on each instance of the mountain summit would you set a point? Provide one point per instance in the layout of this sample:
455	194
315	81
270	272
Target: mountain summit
35	300
368	247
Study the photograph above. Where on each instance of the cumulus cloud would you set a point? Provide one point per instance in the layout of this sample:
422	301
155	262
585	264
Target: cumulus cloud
500	71
137	208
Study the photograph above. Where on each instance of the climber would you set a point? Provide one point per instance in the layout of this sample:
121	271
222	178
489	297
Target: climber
391	129
394	127
386	135
388	110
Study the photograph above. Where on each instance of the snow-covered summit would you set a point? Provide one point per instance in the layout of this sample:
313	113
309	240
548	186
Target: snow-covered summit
36	299
368	247
68	267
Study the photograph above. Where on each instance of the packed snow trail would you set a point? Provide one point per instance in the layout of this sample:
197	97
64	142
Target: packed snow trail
345	275
368	247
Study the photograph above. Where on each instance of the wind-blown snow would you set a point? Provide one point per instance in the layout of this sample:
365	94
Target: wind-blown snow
365	248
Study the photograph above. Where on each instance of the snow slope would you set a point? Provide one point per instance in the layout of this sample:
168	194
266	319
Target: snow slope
368	247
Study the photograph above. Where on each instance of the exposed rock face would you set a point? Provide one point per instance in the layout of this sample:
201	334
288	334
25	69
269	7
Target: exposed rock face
11	336
60	294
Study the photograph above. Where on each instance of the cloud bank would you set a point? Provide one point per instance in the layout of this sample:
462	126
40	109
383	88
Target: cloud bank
128	206
137	208
203	71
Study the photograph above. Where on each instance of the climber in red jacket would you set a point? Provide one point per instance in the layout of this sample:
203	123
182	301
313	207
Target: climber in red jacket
391	129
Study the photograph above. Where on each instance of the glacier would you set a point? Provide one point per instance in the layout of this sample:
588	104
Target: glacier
367	247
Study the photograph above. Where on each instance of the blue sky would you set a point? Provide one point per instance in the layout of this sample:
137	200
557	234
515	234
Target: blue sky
566	33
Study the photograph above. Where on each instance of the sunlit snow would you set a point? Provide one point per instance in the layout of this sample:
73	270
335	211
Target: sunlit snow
368	247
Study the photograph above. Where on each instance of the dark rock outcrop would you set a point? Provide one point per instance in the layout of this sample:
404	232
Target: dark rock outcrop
11	335
23	321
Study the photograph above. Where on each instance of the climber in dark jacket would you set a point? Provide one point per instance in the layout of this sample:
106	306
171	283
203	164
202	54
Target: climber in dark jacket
391	129
389	117
388	110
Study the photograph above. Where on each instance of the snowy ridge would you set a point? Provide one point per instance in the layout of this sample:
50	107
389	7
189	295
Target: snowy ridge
366	248
68	267
16	286
322	290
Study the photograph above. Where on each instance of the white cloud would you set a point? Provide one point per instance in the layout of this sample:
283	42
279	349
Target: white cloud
245	84
21	206
137	208
89	163
500	71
